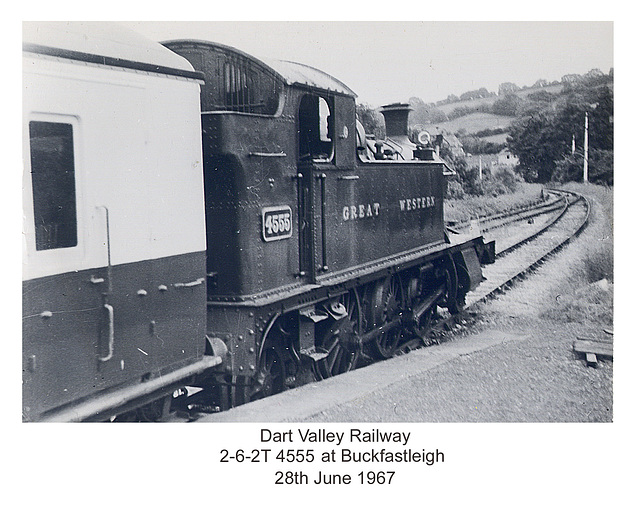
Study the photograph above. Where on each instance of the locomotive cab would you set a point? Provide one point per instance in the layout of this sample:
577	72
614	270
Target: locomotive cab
261	145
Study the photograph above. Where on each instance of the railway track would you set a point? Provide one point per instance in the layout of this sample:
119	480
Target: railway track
520	255
525	238
550	200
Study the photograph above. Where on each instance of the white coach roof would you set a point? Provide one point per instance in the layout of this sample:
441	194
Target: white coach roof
101	39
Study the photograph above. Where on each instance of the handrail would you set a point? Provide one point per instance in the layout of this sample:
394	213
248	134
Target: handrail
111	335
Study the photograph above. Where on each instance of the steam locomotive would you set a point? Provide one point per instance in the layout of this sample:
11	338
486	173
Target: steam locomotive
203	228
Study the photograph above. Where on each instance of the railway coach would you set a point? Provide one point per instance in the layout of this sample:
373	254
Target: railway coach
203	227
114	260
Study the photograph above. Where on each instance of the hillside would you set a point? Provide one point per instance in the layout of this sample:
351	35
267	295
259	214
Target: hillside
479	122
448	108
482	122
474	116
474	123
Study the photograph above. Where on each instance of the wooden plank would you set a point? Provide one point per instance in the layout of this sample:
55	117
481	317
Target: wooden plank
592	360
597	340
590	346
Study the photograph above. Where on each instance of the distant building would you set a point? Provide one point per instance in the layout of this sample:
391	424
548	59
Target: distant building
491	161
506	158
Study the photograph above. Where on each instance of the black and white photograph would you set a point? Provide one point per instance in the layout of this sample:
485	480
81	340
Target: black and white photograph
307	259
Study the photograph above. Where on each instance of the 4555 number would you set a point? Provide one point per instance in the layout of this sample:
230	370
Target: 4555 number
276	223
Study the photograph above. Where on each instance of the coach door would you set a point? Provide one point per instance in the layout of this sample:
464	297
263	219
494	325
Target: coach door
62	305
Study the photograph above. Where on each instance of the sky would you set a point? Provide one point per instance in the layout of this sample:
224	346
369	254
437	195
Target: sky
391	61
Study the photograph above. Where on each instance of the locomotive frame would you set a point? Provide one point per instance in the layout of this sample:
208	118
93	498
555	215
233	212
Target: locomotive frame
285	240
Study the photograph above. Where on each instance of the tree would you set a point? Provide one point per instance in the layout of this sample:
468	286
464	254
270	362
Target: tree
508	104
473	144
372	120
542	96
423	113
533	140
475	94
570	167
602	120
507	88
542	137
571	78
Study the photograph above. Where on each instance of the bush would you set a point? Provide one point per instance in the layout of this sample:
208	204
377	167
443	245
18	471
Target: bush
492	187
491	132
475	145
508	177
598	265
601	167
594	300
590	291
455	190
500	181
508	105
571	168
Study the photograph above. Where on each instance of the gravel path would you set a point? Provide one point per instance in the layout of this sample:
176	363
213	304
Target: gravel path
537	379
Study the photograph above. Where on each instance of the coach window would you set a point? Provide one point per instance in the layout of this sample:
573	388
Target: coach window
53	184
315	124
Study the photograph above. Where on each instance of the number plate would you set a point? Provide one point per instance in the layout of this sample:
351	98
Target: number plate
276	223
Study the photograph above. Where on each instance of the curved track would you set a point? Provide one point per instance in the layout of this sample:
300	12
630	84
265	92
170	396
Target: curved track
522	244
521	255
549	202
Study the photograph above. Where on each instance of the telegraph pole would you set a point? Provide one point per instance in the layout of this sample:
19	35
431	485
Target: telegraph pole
585	167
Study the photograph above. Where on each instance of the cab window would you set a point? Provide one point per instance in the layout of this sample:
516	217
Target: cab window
315	125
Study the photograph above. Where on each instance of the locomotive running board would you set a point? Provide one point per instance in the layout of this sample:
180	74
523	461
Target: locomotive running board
364	272
115	402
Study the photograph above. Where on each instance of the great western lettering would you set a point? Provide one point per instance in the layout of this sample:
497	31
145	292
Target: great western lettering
411	204
355	212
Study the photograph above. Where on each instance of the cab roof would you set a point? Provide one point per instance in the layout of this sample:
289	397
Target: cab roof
290	73
294	73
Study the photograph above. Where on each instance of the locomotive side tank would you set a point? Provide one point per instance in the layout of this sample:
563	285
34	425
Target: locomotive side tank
114	237
279	144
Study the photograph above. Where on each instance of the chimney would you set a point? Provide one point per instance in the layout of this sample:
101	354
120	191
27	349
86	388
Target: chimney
396	119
